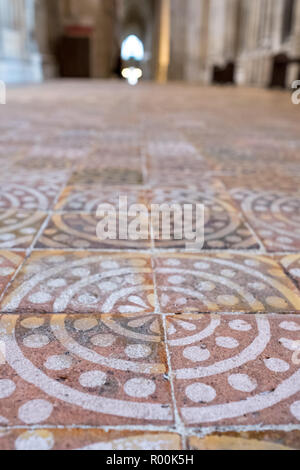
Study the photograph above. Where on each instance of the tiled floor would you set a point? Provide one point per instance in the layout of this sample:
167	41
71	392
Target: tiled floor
122	344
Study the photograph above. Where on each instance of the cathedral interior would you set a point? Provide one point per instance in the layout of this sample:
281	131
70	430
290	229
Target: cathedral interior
122	343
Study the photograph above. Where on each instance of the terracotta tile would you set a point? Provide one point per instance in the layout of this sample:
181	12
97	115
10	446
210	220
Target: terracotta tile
274	216
268	440
82	282
236	370
291	264
224	227
9	263
18	227
223	283
262	179
30	192
87	199
84	370
87	439
74	230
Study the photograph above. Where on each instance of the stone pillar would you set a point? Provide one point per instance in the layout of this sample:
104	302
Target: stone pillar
197	37
163	56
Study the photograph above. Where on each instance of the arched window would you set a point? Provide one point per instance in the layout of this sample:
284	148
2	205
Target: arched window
132	48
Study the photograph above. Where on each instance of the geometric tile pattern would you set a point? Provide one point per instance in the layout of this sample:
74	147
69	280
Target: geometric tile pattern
129	345
9	263
223	283
223	226
82	282
275	217
83	370
236	370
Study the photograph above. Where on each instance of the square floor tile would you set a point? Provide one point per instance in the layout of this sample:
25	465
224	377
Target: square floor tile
87	439
275	217
224	227
236	370
87	199
291	264
223	283
9	263
82	282
19	227
74	230
252	440
84	370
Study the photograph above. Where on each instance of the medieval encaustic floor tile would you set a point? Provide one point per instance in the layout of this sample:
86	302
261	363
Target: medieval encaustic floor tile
88	199
291	264
19	227
255	440
75	230
223	282
224	227
9	263
236	370
83	370
82	282
87	439
111	176
275	217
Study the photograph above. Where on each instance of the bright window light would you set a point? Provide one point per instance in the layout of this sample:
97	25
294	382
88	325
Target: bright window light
132	48
132	75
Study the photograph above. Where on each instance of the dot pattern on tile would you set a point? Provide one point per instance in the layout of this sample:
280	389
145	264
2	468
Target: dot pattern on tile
82	282
223	282
60	375
274	216
18	227
9	263
255	380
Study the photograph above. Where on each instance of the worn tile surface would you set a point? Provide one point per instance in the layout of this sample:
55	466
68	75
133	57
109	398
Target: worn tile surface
66	370
274	216
223	282
19	227
269	440
224	228
236	370
82	282
102	342
291	264
9	263
81	230
90	439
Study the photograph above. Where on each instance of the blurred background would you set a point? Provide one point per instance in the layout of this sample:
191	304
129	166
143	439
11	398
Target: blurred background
242	42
